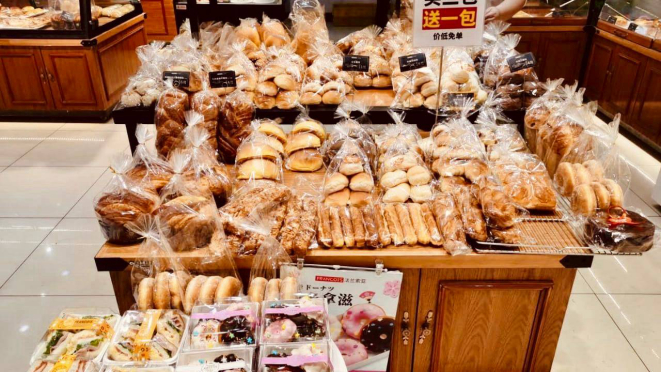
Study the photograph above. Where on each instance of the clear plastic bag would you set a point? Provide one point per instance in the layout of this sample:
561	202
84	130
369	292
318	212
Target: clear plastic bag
236	114
540	111
206	105
493	31
305	356
300	320
147	166
169	119
299	227
569	98
304	144
416	87
256	160
448	217
365	43
350	128
123	201
188	58
235	59
309	28
459	81
273	33
144	88
204	171
501	213
265	284
324	82
525	179
403	175
279	81
398	132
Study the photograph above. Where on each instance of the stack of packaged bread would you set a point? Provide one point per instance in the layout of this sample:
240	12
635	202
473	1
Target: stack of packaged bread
304	144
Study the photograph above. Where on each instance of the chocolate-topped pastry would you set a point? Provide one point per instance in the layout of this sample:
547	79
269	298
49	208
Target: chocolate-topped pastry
512	78
307	327
620	230
236	330
510	104
229	358
377	334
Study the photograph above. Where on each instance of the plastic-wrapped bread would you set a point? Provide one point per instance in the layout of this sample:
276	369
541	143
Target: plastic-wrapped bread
448	217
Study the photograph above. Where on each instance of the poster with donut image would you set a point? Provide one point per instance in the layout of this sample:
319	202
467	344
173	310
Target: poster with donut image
362	307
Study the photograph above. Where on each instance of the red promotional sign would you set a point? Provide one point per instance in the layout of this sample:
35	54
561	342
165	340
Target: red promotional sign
449	18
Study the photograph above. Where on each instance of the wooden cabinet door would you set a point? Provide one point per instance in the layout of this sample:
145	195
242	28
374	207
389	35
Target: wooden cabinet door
160	24
560	55
646	114
403	342
529	43
625	73
74	78
23	82
596	76
490	319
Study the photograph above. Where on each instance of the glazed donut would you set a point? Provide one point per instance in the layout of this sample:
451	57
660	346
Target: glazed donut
282	330
565	178
206	333
359	315
352	351
377	334
602	194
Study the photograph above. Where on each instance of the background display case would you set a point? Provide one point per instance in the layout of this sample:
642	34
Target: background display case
636	21
74	61
552	12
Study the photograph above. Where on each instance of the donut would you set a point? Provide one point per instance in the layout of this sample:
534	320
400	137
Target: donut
205	334
335	328
281	330
237	330
352	351
377	334
358	316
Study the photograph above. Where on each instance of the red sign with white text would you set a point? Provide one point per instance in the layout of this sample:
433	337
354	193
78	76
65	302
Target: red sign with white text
448	18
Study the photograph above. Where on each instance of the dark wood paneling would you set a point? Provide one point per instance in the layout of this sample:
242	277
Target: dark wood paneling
560	55
160	24
492	318
625	72
70	77
401	355
646	113
529	43
23	82
596	75
118	61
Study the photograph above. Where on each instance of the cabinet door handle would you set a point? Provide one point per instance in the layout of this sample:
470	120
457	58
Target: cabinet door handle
426	327
406	331
43	77
50	76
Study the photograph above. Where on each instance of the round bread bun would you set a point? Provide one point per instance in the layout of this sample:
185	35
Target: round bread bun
276	144
397	194
274	130
302	140
459	76
287	99
162	291
362	182
615	190
583	200
285	82
351	165
360	199
306	160
332	97
602	195
310	98
208	290
581	174
248	33
429	88
258	169
310	126
264	102
267	88
193	292
335	182
256	151
362	81
421	193
394	178
382	81
418	175
338	199
333	85
565	178
313	87
146	294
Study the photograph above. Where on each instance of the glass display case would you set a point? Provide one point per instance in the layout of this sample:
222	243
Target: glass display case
63	19
552	12
635	16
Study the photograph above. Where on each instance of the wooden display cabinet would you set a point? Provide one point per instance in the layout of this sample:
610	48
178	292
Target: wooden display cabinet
68	77
160	24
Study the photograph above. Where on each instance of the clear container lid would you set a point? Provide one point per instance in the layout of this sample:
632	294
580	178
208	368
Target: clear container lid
308	356
76	366
82	332
304	319
151	336
132	368
235	359
223	325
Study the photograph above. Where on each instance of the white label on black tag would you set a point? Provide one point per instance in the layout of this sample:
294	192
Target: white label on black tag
181	6
356	63
222	79
458	99
180	79
611	19
632	27
522	61
412	62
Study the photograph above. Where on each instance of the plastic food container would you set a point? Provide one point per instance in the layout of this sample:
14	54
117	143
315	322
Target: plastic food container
224	325
307	356
76	366
235	359
83	332
130	368
152	336
305	319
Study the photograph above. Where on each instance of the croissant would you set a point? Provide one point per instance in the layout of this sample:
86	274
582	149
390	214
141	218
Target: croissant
189	222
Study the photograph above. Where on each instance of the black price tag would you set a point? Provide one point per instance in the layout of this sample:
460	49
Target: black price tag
180	79
458	99
222	79
412	62
633	27
611	19
356	63
522	61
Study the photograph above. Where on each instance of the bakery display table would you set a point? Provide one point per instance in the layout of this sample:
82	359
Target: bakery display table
474	312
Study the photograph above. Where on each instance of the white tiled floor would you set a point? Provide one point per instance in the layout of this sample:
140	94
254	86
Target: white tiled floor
50	173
